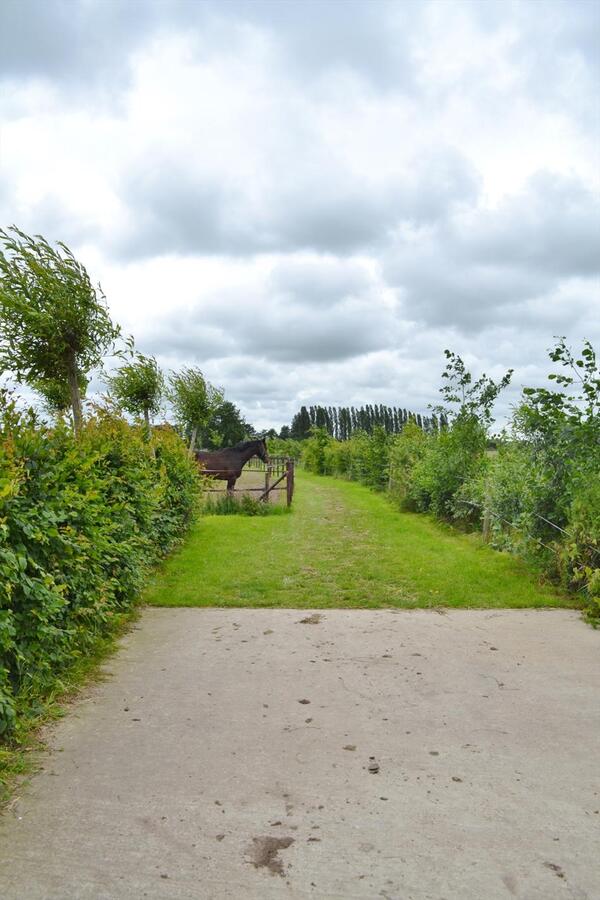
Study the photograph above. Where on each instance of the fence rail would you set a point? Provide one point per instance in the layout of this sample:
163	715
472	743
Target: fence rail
277	464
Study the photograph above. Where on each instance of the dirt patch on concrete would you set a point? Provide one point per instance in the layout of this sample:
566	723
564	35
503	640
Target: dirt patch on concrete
264	853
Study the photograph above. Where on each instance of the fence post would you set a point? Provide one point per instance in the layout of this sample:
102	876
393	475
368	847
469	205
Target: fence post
289	467
267	480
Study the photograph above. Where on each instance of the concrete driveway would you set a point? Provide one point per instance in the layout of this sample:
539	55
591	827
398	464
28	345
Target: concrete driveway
282	753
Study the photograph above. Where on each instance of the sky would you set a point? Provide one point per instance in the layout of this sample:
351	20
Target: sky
312	200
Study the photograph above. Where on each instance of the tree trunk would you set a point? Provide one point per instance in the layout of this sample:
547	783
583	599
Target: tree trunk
193	440
148	425
149	432
72	373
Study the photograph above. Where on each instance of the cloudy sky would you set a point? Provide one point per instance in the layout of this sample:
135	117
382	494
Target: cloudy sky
311	199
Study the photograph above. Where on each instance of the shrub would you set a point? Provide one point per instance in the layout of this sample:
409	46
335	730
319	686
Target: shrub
314	450
81	521
451	458
405	452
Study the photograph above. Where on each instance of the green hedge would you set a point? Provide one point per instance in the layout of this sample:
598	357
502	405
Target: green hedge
81	522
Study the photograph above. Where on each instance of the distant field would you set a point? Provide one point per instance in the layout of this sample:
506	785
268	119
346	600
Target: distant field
342	546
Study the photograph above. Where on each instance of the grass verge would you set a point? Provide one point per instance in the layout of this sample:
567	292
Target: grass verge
342	546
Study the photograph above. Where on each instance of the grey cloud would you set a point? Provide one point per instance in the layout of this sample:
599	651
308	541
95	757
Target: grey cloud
278	327
438	288
475	269
75	40
297	337
319	281
327	208
319	206
371	39
292	334
67	40
171	211
552	226
183	335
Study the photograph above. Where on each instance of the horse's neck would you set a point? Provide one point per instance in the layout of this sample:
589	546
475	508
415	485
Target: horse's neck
248	453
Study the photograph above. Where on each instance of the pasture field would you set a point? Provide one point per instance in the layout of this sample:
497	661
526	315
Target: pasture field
342	545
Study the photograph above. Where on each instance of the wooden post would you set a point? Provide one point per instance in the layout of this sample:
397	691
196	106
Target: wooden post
267	481
289	467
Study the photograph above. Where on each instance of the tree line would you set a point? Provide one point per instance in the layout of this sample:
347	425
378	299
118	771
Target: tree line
342	422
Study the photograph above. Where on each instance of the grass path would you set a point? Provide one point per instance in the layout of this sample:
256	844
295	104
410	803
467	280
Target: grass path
341	546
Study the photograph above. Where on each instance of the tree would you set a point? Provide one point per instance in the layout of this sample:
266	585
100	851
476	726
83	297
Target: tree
285	433
54	324
138	387
301	424
194	400
226	427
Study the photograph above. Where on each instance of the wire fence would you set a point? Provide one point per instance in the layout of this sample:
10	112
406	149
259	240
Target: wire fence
515	525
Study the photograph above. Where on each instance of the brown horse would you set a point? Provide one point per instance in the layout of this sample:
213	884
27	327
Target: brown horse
227	464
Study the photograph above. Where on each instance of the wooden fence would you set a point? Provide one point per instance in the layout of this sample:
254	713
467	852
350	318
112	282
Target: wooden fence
278	476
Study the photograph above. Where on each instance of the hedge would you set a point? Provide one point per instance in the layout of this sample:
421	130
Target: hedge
81	522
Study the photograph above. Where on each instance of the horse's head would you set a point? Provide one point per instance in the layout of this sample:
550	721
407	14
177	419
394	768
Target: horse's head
262	451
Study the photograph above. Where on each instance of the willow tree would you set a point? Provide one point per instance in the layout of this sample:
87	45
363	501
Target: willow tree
54	324
138	387
194	400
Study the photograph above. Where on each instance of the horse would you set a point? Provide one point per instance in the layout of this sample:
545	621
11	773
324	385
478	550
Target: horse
227	464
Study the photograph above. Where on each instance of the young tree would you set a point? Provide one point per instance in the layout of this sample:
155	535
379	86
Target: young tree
194	400
54	324
226	427
138	387
468	399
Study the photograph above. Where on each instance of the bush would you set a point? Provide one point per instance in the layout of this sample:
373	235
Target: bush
363	457
81	521
407	449
314	451
451	458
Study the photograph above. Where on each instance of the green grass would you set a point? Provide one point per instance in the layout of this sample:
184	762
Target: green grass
342	545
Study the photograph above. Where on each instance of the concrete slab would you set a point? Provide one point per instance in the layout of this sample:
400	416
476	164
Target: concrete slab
343	754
